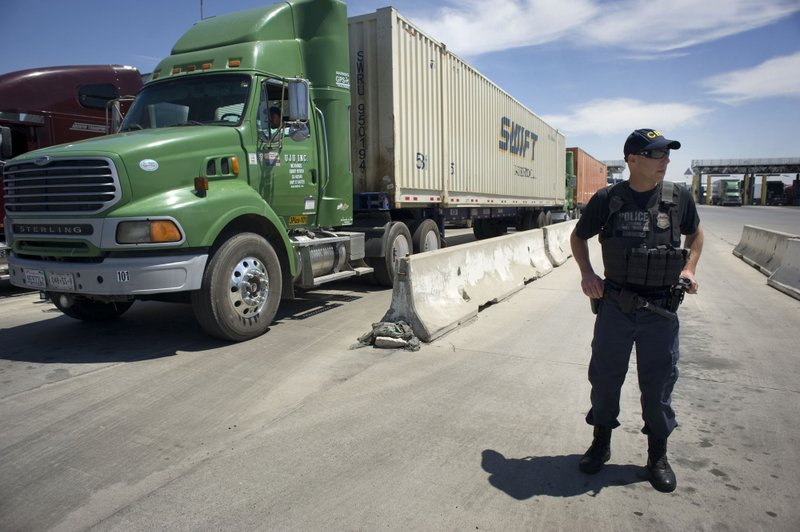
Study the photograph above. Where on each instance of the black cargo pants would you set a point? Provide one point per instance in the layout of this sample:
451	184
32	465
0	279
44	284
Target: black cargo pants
657	352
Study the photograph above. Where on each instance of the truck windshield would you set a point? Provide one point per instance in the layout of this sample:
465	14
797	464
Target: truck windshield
201	100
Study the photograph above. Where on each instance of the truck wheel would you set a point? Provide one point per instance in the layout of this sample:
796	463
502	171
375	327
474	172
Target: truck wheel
548	218
483	229
241	289
398	245
426	236
496	228
540	219
526	222
478	230
89	309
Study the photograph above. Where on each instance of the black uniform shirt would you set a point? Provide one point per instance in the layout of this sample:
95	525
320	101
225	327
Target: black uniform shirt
596	212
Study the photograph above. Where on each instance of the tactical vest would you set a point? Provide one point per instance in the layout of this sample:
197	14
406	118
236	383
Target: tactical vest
641	248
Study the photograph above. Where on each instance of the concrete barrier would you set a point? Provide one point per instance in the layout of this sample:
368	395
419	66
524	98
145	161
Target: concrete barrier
436	291
763	249
787	276
556	240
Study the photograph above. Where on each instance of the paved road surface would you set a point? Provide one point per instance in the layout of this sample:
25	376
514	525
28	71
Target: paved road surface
146	424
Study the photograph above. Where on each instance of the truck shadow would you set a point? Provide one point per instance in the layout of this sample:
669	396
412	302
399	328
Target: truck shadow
553	476
149	330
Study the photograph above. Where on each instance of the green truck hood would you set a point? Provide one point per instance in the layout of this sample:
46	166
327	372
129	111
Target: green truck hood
155	161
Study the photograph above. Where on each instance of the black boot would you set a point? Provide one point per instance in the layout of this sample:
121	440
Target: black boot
661	475
598	453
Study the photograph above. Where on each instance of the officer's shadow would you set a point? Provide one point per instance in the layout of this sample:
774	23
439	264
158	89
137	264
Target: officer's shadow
556	476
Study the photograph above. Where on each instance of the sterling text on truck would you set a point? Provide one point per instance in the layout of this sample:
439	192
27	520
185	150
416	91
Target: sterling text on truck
277	149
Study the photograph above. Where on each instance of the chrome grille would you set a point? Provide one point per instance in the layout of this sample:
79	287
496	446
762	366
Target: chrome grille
63	186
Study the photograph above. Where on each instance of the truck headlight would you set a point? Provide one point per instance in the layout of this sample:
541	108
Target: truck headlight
148	232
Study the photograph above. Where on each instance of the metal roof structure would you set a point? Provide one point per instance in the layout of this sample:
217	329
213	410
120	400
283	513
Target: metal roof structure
789	165
614	167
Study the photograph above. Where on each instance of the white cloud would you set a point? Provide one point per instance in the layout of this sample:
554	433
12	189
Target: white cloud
623	115
641	25
473	27
773	78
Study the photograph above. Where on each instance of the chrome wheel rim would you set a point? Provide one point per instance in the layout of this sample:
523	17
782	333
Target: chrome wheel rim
249	287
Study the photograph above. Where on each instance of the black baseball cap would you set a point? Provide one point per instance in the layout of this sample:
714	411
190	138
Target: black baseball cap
648	139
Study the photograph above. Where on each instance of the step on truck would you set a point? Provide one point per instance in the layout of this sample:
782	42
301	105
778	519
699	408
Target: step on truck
41	107
274	150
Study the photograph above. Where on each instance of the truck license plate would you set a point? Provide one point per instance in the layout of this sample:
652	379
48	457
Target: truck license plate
61	281
35	278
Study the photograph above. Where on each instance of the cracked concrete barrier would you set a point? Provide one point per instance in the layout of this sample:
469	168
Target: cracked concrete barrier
556	240
434	292
762	248
787	276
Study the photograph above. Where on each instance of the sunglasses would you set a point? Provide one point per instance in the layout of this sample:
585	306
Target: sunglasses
654	154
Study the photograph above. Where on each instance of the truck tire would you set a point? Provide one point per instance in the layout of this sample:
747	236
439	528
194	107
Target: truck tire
426	237
540	219
398	245
241	289
487	228
478	229
548	218
90	310
526	222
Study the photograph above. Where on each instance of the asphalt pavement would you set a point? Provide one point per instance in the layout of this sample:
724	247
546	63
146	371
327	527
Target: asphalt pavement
152	426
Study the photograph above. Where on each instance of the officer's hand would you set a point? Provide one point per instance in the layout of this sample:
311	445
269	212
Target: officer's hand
693	286
592	285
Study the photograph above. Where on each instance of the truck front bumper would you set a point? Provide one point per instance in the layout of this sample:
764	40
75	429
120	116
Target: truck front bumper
112	277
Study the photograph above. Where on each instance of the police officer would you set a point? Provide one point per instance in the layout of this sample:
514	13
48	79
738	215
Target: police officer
639	223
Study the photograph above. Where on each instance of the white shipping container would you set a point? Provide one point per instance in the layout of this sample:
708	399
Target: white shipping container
428	129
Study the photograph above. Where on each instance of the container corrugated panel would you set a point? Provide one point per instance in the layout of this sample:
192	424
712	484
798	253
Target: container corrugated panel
592	175
430	129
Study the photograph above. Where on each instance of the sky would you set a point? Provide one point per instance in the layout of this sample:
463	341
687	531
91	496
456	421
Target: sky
720	76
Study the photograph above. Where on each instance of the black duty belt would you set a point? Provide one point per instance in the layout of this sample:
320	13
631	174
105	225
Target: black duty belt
630	301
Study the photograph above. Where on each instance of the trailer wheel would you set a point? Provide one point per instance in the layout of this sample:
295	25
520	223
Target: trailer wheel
426	237
241	289
398	245
548	218
540	219
90	310
526	222
478	230
488	229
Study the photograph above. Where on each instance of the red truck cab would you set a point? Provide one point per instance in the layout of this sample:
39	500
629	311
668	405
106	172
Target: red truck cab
42	107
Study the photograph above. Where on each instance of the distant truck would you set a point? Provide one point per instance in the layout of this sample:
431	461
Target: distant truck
775	194
275	150
726	192
590	176
42	107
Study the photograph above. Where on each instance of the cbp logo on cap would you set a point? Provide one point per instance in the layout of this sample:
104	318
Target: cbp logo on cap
647	139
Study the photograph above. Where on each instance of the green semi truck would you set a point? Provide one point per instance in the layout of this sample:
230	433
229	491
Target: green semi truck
275	150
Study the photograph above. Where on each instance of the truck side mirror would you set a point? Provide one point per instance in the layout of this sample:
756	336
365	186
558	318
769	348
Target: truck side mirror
5	143
113	109
299	109
298	100
115	113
